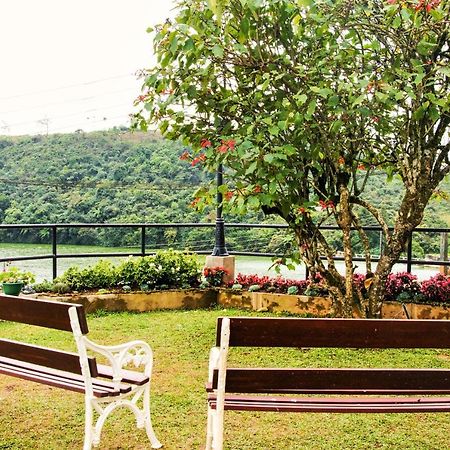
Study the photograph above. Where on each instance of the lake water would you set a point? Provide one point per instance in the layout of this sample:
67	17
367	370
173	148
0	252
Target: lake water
244	264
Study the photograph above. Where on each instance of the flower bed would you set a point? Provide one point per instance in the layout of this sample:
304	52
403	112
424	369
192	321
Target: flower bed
167	281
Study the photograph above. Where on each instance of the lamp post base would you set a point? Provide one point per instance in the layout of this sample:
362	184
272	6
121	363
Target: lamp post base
227	262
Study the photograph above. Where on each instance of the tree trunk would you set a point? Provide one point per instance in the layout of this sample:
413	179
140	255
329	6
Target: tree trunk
409	217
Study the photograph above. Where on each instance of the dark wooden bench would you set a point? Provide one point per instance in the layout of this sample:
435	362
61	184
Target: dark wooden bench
105	386
359	390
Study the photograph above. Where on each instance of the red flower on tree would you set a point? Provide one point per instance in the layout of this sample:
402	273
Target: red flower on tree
226	146
229	195
325	204
257	189
198	159
205	143
185	155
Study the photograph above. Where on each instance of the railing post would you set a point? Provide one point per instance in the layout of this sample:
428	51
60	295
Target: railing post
443	252
54	251
409	254
143	240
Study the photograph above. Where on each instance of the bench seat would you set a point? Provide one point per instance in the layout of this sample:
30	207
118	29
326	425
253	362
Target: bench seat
60	379
333	404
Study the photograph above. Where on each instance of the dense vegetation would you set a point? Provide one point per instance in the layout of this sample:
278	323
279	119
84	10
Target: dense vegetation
123	177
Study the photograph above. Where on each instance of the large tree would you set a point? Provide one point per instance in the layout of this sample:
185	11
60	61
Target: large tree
304	101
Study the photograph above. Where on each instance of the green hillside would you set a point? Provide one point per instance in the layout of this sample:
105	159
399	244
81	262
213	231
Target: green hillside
118	176
109	176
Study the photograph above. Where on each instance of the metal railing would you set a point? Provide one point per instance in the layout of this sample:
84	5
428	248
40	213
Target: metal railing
143	227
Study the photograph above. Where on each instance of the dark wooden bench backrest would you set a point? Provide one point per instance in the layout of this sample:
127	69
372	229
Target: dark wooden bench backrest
341	333
47	314
43	313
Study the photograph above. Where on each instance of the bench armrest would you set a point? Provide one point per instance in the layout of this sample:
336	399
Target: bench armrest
138	353
214	356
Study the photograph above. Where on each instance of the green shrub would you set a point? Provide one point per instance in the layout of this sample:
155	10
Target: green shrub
60	288
167	269
101	275
44	286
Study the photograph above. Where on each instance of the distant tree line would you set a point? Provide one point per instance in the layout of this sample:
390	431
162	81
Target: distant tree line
121	177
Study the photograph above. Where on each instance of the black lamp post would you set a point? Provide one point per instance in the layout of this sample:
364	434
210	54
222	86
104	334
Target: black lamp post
220	248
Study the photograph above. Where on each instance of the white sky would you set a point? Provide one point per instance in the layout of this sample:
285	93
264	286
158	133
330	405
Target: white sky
71	63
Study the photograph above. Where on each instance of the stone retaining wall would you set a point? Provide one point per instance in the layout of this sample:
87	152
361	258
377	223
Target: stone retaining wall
255	301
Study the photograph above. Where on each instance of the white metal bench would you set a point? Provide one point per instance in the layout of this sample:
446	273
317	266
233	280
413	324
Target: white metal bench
105	387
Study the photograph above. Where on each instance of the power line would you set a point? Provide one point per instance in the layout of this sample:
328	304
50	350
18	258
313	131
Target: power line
79	124
91	110
66	87
64	102
97	185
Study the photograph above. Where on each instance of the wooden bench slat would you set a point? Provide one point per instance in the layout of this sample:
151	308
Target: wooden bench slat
55	359
43	313
374	405
315	333
128	376
57	373
333	400
336	381
59	379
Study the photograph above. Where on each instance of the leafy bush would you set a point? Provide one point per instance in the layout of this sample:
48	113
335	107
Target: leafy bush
166	269
436	289
15	275
44	286
101	275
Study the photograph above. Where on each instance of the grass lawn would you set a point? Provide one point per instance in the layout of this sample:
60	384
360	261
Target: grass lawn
34	416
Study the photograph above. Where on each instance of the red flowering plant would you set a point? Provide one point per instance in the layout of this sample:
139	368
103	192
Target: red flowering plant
436	289
402	286
214	275
275	284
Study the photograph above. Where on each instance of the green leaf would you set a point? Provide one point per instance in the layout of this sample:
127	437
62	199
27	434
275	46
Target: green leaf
444	70
251	168
425	48
253	202
359	100
311	107
301	99
274	130
217	51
